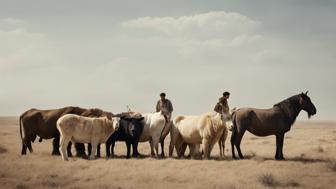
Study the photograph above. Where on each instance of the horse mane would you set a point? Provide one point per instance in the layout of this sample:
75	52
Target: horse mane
216	120
290	107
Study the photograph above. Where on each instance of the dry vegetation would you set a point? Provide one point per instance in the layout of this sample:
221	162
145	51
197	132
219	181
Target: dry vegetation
310	150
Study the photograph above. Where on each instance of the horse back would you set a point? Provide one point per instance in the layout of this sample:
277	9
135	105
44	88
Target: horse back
260	122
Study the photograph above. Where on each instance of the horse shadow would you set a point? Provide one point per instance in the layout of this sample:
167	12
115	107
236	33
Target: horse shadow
301	159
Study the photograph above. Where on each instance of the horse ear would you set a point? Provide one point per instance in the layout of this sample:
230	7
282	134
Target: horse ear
306	92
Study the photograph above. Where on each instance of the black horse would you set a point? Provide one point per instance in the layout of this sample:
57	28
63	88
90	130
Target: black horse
274	121
130	130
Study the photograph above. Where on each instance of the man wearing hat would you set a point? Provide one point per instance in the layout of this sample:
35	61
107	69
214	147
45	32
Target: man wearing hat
222	104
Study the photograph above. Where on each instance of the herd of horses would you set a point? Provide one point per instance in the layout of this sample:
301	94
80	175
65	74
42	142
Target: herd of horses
200	132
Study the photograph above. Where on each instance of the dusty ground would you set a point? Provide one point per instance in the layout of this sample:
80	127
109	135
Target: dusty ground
310	149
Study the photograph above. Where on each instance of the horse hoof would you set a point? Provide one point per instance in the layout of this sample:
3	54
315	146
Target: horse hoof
83	156
55	153
280	159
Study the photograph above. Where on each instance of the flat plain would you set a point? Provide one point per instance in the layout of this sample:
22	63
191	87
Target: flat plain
309	149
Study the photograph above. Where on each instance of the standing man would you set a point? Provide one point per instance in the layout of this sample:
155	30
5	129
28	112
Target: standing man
222	105
166	107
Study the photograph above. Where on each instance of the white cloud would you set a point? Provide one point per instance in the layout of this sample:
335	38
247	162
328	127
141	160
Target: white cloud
207	25
12	21
214	37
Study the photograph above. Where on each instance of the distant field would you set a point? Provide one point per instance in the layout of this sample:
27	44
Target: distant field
310	149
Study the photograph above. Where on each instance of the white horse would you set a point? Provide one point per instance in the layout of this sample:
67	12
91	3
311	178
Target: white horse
205	129
154	124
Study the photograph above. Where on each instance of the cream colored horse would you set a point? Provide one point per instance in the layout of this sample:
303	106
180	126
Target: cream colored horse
205	129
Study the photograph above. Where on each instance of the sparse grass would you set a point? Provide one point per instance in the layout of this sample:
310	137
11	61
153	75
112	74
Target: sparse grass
332	165
305	159
320	149
21	186
3	175
50	183
292	183
3	150
268	180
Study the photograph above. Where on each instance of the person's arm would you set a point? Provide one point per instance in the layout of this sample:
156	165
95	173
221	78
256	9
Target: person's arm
170	107
217	107
158	106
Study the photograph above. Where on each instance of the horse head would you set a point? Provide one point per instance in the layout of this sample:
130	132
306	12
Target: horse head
307	105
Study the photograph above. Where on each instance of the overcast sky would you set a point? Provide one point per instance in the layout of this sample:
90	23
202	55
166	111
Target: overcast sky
109	54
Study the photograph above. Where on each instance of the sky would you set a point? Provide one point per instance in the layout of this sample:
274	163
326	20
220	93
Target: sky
113	54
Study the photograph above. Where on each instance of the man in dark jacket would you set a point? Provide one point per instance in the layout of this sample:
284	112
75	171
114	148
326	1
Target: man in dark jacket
222	105
164	105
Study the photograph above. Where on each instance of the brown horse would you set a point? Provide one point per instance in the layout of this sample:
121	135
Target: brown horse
42	123
274	121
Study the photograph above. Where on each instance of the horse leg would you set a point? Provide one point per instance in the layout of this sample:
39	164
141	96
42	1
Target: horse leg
162	147
155	141
112	148
237	142
69	149
222	141
211	145
94	143
233	138
279	146
24	149
56	145
192	150
63	147
151	143
174	135
108	150
128	146
89	149
135	149
98	150
220	148
26	143
183	149
80	150
206	149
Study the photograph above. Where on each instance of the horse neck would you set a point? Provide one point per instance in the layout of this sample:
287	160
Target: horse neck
292	111
218	120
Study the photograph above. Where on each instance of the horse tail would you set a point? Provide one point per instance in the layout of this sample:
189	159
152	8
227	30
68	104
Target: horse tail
20	120
234	122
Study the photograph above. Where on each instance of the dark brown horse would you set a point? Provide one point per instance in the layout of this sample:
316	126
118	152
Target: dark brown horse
42	123
274	121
